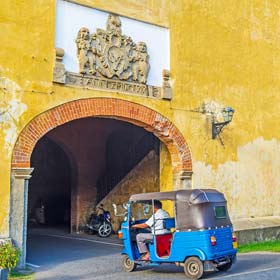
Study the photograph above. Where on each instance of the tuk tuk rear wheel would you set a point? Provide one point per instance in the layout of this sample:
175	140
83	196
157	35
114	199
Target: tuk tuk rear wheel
193	268
128	264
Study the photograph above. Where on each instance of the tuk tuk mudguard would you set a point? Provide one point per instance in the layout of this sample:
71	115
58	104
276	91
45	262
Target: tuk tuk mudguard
128	249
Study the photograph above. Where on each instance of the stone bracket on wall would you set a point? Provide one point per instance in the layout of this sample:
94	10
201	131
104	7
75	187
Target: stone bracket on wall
183	180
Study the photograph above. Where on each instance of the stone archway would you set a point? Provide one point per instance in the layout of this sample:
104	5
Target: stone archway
105	107
127	111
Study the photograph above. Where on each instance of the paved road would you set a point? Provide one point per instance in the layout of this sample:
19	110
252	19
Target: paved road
65	257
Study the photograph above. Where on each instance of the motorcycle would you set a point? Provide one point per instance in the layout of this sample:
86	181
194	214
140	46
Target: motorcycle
100	223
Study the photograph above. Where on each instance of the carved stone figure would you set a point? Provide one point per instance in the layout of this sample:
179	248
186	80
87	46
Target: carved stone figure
108	53
84	51
114	23
141	66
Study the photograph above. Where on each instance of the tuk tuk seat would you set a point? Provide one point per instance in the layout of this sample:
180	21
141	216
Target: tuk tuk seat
163	244
169	223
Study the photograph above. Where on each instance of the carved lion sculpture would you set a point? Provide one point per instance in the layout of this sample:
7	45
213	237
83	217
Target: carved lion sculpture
84	51
141	64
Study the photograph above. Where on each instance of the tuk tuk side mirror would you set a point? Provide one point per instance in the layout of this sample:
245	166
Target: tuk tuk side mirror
125	206
116	210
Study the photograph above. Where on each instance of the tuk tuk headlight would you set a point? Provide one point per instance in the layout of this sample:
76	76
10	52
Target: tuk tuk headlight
120	234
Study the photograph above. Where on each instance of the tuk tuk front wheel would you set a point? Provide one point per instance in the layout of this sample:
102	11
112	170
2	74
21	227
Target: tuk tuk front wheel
128	264
193	268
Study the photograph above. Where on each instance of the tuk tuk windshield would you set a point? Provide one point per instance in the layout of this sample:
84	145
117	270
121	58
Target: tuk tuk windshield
141	210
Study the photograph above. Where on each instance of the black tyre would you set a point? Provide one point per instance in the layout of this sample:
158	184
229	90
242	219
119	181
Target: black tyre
193	268
105	230
128	264
225	267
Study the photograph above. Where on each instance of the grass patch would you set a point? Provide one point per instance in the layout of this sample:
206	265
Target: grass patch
270	246
21	275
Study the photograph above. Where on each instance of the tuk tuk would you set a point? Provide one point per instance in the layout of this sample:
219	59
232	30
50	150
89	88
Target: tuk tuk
200	238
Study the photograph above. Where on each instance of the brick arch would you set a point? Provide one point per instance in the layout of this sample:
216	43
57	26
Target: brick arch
104	107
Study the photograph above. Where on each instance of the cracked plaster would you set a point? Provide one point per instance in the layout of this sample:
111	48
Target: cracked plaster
251	184
11	109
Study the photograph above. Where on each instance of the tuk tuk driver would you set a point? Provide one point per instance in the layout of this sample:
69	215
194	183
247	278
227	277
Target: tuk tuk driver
156	223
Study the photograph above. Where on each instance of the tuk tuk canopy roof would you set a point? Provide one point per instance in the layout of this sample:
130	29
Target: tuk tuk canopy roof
193	196
195	208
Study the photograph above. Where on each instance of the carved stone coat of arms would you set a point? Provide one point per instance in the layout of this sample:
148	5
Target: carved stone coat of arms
109	54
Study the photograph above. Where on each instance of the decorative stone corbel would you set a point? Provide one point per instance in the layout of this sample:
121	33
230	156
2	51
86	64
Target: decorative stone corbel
59	73
166	85
182	181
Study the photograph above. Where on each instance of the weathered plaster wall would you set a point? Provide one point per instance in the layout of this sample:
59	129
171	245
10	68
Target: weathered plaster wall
226	51
11	109
27	56
251	183
165	169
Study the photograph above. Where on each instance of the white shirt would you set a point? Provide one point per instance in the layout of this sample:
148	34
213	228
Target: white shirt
156	222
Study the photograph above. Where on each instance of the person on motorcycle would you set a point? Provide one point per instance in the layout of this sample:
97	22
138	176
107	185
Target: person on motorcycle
156	223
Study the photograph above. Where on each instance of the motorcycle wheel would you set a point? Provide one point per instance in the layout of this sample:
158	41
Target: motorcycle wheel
105	230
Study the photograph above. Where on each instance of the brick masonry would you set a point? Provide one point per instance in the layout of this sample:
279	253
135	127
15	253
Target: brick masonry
104	107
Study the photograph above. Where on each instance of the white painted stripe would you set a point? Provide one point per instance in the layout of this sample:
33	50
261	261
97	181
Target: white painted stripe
246	273
82	239
32	265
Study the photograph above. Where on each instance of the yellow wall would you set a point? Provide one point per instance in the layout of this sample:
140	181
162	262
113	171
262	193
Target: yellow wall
228	51
225	51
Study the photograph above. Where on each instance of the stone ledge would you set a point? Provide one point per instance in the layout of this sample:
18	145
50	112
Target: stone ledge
257	229
256	223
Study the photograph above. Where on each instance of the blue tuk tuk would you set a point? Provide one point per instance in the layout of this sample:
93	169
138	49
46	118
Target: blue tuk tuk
200	238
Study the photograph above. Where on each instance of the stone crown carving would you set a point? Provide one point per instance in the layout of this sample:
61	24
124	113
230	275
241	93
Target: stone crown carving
109	54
